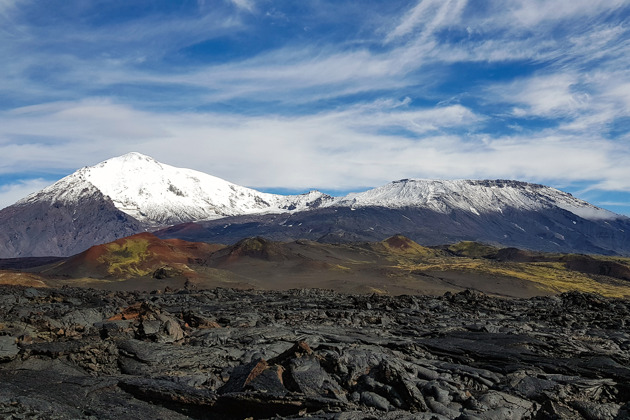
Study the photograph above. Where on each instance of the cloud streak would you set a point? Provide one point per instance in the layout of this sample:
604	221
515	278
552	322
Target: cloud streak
332	95
358	146
427	17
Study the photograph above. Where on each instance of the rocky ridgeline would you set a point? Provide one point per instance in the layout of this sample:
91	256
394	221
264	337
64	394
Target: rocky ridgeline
226	354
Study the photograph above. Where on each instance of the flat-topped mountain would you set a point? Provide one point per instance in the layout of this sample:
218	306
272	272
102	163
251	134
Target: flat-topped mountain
135	193
473	196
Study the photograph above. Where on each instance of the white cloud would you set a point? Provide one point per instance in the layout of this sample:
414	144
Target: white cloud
342	149
531	13
88	128
615	203
244	4
618	92
427	17
546	96
10	193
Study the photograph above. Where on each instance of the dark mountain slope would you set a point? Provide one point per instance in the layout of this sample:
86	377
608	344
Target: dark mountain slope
551	230
60	227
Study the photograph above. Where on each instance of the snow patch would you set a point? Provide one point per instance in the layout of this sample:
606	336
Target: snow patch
518	227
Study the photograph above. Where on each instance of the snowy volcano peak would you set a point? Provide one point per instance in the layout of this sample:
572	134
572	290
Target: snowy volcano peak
157	194
475	196
134	192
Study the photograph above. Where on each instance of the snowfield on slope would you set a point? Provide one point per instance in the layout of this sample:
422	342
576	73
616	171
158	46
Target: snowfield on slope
157	194
472	196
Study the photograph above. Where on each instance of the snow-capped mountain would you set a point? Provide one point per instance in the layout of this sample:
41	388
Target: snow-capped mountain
472	196
500	212
156	194
135	193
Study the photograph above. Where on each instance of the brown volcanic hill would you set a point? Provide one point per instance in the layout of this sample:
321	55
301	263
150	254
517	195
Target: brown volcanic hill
265	264
615	267
598	266
134	256
394	266
257	248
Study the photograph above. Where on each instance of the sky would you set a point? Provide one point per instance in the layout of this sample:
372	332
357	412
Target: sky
336	95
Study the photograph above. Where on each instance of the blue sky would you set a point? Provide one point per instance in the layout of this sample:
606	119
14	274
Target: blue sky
334	95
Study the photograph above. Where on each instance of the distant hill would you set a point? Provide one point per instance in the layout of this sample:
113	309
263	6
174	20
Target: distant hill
135	256
396	265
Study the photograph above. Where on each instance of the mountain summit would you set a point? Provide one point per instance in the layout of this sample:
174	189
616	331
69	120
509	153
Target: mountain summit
135	193
473	196
156	194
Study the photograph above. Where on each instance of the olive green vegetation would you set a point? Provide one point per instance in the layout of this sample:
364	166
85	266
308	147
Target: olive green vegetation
550	275
402	246
253	245
472	249
126	259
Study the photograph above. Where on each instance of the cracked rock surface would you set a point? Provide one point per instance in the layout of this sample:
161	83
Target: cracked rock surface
226	354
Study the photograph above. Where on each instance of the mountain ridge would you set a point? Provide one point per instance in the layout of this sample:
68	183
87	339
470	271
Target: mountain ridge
545	230
135	193
157	194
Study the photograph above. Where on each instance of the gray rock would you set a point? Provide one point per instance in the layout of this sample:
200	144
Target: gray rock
311	379
8	348
505	406
70	353
595	411
372	399
426	373
83	317
257	375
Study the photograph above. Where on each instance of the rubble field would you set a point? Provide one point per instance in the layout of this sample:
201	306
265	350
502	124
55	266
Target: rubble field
79	353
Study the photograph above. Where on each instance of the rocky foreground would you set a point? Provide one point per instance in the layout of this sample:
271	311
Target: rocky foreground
226	354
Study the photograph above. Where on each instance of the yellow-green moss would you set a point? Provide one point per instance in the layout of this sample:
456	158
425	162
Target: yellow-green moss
550	276
472	249
412	249
125	259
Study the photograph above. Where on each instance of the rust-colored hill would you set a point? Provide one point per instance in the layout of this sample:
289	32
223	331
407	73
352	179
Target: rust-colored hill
135	256
253	248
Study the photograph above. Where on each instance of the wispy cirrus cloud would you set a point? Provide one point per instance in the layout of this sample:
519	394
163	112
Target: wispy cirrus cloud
549	96
8	6
427	17
336	95
359	146
532	13
244	4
